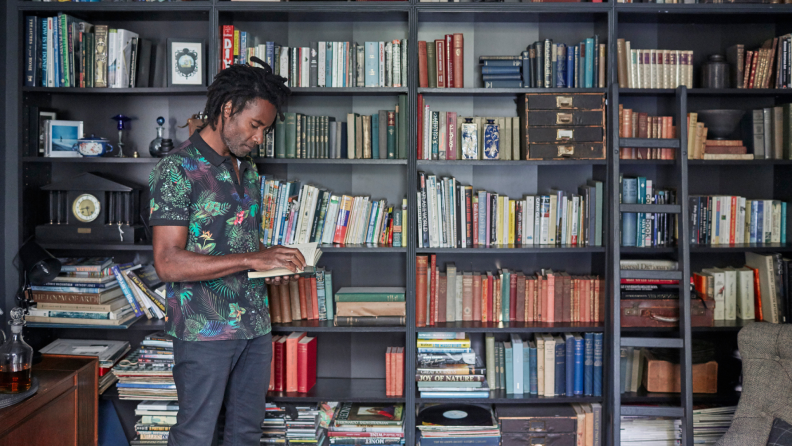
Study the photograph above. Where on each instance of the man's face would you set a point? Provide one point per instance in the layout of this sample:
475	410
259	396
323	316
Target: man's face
245	130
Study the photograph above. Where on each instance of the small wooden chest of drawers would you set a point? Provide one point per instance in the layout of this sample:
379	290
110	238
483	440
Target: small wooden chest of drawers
562	126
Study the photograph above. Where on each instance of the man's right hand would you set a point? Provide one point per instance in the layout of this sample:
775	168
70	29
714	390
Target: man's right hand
277	257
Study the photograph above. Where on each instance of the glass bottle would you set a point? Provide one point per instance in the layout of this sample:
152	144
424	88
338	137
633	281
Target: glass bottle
156	143
16	358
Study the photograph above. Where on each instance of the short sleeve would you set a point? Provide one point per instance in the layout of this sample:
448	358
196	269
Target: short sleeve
170	192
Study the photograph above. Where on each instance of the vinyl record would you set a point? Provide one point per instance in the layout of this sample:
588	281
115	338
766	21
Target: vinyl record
455	415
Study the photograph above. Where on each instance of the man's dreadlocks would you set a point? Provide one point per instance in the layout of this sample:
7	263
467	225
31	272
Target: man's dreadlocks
241	84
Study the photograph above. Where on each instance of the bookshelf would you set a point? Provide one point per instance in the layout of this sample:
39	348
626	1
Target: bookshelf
356	372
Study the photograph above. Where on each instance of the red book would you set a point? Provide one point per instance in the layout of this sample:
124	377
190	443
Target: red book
733	220
442	291
758	316
432	285
530	299
599	285
306	364
451	122
512	297
549	300
449	66
365	434
440	56
279	360
292	361
388	372
303	298
490	286
271	386
484	291
421	266
458	58
475	223
558	297
314	299
400	371
423	72
476	297
520	298
541	299
227	56
420	126
390	230
393	370
585	300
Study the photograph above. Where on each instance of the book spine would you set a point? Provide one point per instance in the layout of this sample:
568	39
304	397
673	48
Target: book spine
597	368
127	291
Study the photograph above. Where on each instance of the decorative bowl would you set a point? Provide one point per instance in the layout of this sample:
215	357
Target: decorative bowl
722	124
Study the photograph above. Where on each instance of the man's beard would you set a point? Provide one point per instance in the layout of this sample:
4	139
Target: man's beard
235	144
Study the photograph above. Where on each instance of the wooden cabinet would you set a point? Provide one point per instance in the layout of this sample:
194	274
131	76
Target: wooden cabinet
64	410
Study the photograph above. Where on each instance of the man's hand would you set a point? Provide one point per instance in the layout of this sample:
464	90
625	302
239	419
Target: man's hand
278	257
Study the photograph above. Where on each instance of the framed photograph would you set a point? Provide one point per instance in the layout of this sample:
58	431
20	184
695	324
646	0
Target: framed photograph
44	116
185	62
61	138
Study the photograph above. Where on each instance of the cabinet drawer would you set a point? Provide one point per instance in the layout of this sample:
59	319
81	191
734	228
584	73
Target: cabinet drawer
564	117
552	101
563	134
578	151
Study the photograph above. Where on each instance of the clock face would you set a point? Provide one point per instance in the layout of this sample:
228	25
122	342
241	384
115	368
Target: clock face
86	208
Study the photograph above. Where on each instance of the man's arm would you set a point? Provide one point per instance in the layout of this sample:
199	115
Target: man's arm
174	263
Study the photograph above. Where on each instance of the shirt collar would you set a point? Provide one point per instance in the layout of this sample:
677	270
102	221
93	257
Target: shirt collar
215	158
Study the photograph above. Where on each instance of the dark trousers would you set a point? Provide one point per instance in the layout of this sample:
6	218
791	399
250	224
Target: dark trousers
209	374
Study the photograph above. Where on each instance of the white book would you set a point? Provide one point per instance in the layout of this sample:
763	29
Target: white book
427	128
310	252
388	64
576	220
112	56
302	206
331	216
125	56
451	292
767	221
552	221
354	216
311	213
334	67
719	291
775	234
537	234
364	220
419	234
549	366
305	62
767	285
284	65
745	294
528	220
458	304
431	198
726	223
381	46
730	297
564	209
739	231
463	218
630	66
322	57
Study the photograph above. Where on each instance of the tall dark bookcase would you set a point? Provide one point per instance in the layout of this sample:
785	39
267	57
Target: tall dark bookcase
351	360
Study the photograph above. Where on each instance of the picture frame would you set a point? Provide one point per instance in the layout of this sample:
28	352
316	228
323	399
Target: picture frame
61	137
185	62
41	134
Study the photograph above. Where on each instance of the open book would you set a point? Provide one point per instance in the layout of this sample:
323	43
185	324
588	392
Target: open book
310	251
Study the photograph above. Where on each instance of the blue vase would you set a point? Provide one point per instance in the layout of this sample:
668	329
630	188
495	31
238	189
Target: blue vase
491	140
469	140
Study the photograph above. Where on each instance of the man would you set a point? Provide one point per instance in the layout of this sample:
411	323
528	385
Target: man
205	211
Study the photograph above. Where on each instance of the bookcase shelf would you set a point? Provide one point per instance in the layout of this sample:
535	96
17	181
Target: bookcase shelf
501	397
726	92
765	247
508	249
490	163
351	249
90	160
327	326
394	162
649	142
741	163
355	390
348	91
502	91
701	8
135	7
718	326
512	327
141	324
118	91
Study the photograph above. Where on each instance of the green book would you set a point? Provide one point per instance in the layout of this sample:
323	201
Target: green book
401	126
89	59
391	134
431	64
290	138
502	351
489	353
311	151
509	366
328	276
435	134
370	294
375	136
505	294
787	144
303	136
280	137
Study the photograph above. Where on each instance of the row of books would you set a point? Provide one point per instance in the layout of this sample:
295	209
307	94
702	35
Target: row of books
548	365
307	298
653	68
765	135
293	212
504	295
146	373
293	367
730	289
446	367
545	64
641	125
322	64
772	288
96	291
382	135
64	51
728	220
394	371
764	67
441	63
155	421
451	214
710	423
444	135
645	229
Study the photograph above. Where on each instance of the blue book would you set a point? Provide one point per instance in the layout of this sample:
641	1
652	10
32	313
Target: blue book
468	441
534	381
503	63
329	66
130	297
372	64
505	277
242	47
561	61
72	289
569	345
445	350
105	285
759	221
516	76
579	348
44	54
588	371
629	219
526	368
517	363
501	70
509	367
590	62
560	366
597	364
503	84
482	210
328	277
526	68
570	68
477	394
270	54
375	135
624	361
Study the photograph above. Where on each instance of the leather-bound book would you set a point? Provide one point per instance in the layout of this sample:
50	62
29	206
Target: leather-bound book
421	266
423	69
440	63
458	60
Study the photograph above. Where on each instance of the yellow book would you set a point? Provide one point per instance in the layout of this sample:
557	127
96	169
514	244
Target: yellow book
236	42
443	343
512	213
691	136
499	222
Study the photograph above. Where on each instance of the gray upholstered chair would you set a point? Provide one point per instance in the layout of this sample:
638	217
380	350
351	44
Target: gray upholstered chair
766	351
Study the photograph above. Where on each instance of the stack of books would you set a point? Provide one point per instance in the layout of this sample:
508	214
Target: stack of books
301	213
359	306
644	229
504	295
771	287
728	220
305	428
709	424
293	363
307	298
154	424
653	68
273	428
637	430
108	353
394	371
447	367
367	423
444	424
95	291
764	67
568	364
452	215
321	64
640	125
730	289
502	71
441	63
146	374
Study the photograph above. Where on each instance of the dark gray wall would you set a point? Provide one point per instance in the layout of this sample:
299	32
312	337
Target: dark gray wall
8	117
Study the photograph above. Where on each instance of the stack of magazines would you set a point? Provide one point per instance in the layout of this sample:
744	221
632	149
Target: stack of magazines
367	423
146	374
154	424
